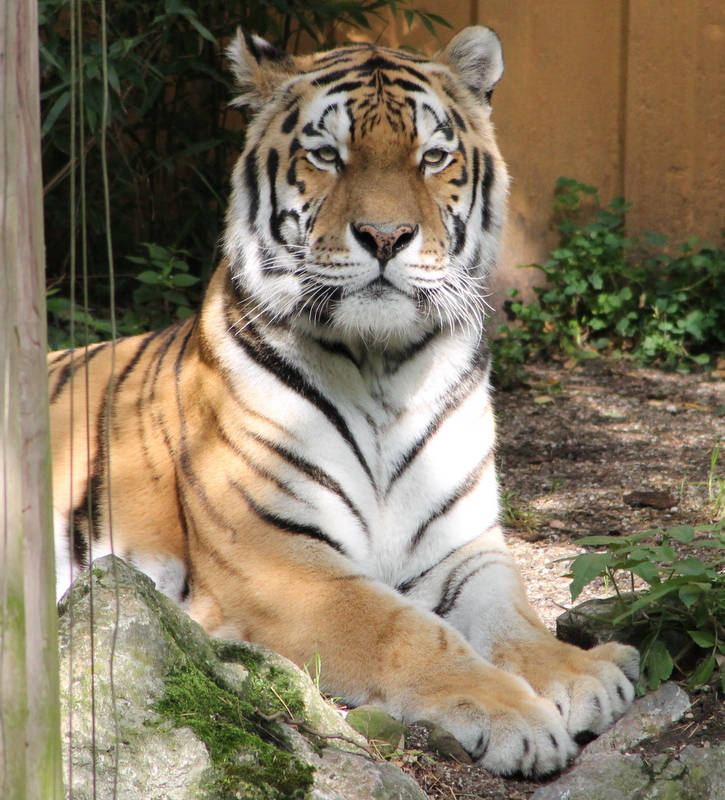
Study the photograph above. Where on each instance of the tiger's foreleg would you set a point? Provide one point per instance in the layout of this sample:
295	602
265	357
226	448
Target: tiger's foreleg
303	599
479	591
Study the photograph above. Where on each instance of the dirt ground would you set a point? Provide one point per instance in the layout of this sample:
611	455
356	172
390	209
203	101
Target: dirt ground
572	446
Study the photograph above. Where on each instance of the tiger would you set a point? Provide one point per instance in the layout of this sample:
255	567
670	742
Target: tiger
308	463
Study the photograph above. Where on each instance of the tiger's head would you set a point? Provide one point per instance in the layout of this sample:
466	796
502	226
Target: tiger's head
369	199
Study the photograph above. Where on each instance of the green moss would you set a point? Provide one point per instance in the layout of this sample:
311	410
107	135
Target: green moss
237	653
270	688
245	749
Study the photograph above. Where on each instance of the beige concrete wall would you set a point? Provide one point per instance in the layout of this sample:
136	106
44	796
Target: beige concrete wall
628	95
558	111
675	142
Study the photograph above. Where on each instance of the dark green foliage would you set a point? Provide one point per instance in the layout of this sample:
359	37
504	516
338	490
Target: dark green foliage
605	293
171	144
683	602
246	750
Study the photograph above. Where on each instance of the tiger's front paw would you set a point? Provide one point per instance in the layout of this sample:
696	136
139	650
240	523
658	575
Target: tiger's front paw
511	730
591	688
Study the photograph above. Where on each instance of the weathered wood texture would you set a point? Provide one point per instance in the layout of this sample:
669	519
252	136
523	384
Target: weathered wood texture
30	764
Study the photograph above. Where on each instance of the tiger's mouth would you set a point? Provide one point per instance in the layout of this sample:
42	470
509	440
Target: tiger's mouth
379	288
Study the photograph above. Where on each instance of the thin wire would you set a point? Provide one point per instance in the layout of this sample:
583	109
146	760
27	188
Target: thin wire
73	264
111	380
84	251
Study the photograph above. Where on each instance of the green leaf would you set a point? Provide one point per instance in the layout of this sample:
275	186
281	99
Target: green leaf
182	279
690	566
57	109
585	568
439	20
659	664
703	673
683	533
648	571
149	277
200	28
702	638
690	594
656	592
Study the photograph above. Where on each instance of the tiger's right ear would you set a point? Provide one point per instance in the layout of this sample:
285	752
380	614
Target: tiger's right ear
258	67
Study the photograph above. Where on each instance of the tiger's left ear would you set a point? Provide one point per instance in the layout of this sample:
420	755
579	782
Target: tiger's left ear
259	68
475	54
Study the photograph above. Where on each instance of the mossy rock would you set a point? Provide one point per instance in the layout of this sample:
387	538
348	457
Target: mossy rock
154	708
385	733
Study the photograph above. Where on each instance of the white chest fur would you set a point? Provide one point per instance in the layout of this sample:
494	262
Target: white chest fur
392	451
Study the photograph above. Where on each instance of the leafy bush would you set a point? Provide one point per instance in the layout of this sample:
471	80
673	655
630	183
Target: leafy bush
605	293
171	139
681	613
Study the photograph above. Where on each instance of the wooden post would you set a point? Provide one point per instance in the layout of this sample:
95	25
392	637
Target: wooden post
30	754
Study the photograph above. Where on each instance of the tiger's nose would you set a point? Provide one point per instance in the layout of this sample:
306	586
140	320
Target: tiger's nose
380	243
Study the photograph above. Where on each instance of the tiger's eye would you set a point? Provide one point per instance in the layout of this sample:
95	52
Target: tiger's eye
327	154
434	157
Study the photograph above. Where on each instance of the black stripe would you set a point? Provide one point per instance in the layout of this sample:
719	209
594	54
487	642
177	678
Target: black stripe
252	178
409	86
291	120
452	575
262	50
133	363
486	187
162	353
446	604
338	349
317	474
347	86
454	398
412	582
288	374
417	74
292	177
469	381
454	583
147	393
331	77
446	129
459	119
310	130
476	169
183	457
469	483
78	543
289	526
240	454
394	362
380	62
272	168
59	356
333	59
459	234
464	167
71	367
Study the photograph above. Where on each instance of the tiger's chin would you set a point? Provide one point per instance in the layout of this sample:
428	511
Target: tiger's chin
386	317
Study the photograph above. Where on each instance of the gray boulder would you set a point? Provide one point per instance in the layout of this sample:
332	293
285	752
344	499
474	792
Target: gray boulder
605	771
154	708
